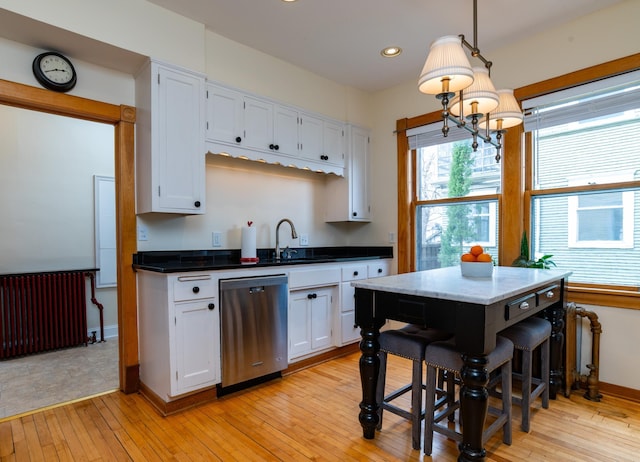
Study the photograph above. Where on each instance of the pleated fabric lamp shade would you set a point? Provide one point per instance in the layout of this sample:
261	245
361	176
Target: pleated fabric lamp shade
479	98
508	113
446	69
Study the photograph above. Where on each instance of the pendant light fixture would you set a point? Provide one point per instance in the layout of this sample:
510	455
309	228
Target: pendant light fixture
467	92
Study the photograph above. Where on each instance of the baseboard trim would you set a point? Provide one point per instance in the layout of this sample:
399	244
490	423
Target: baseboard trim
620	392
180	404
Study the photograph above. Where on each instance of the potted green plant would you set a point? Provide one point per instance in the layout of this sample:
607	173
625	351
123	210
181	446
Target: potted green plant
523	261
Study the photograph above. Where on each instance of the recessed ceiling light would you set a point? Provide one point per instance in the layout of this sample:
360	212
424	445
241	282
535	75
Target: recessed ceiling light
287	1
391	52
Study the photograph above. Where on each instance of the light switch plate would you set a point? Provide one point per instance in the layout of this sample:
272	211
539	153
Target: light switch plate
142	233
216	239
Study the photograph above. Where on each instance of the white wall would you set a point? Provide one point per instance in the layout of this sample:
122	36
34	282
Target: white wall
48	211
236	190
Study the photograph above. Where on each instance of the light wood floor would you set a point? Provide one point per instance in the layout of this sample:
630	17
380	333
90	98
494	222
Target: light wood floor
309	415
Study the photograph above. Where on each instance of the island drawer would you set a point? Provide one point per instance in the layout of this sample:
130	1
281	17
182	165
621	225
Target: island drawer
520	307
548	296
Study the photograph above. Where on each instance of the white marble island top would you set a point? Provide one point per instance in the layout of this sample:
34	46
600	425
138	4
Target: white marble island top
449	284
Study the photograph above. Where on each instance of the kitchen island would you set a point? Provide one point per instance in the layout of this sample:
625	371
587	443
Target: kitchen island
475	310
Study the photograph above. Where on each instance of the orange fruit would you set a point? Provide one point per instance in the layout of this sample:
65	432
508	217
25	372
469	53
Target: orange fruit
468	257
484	257
476	250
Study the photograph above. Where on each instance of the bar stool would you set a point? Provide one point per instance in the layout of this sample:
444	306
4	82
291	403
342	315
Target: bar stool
444	356
408	342
527	335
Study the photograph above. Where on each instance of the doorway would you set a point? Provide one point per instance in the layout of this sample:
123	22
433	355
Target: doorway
122	118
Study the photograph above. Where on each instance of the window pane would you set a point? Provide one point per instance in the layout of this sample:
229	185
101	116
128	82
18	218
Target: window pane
445	232
595	243
454	170
594	151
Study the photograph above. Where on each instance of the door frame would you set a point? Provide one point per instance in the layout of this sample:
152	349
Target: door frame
123	119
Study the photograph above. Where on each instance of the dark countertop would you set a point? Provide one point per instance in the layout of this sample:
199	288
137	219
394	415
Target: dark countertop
167	261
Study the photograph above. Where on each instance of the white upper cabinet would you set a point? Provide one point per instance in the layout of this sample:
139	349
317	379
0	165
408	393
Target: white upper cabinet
225	113
347	199
170	133
285	131
333	143
248	126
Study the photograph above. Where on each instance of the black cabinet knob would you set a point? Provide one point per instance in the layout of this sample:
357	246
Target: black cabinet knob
324	157
309	296
276	147
211	306
196	204
355	273
379	270
355	214
271	146
196	289
238	139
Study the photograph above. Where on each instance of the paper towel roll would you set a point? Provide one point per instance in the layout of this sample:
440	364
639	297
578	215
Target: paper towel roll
248	251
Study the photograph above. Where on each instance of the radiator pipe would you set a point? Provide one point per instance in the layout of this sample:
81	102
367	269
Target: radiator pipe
95	301
592	381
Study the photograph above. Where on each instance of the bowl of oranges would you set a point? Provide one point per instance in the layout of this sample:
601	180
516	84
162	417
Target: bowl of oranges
476	263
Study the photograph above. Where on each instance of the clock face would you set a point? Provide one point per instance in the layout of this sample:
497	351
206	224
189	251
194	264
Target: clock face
54	71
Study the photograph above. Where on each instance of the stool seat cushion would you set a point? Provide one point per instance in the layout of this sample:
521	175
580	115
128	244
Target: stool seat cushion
443	355
528	333
410	341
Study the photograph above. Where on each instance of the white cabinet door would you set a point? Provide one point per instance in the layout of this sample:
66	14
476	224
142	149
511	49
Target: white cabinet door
197	349
333	143
359	174
347	199
285	131
321	310
310	321
299	324
170	131
225	109
258	124
310	138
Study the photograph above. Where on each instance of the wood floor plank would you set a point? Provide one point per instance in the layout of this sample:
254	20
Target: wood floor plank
310	415
6	439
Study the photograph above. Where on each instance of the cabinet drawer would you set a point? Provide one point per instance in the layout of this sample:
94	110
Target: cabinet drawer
313	278
548	296
376	270
354	272
520	307
194	287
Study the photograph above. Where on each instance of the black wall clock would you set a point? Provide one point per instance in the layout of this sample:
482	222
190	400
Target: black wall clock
54	71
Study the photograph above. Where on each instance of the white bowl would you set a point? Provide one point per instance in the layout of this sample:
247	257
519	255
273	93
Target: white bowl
476	269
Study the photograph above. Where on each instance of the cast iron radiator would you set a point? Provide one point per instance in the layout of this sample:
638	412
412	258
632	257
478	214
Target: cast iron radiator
42	311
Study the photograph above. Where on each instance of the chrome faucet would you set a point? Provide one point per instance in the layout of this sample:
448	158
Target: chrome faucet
294	235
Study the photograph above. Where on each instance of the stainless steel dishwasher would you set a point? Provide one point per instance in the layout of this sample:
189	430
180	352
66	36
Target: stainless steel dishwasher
253	317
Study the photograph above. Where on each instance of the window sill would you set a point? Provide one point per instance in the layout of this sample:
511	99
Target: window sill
612	296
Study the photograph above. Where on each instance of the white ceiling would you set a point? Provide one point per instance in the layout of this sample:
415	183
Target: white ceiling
342	39
338	39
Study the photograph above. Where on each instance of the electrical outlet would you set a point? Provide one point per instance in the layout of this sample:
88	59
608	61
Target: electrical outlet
392	237
142	233
216	239
304	239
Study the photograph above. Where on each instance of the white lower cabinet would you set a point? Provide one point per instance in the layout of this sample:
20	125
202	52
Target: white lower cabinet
310	316
349	331
313	298
179	324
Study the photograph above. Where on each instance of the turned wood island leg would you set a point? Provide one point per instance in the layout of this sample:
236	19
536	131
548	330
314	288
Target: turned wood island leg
369	368
474	405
